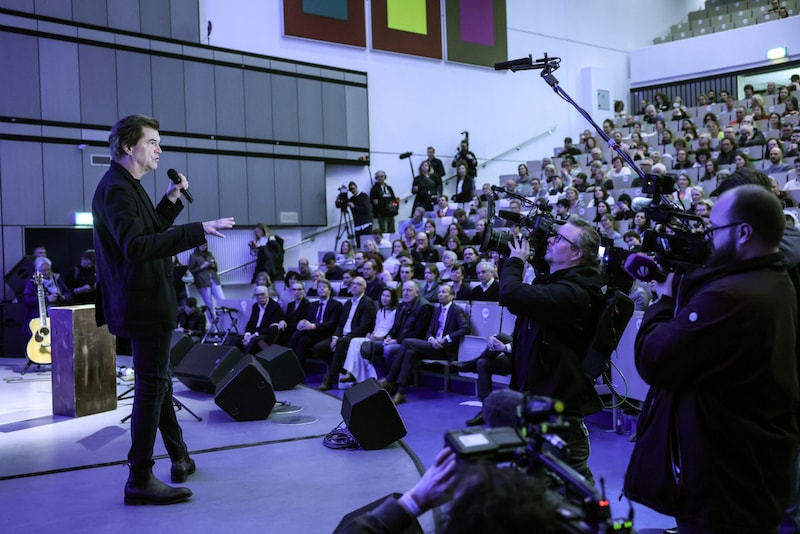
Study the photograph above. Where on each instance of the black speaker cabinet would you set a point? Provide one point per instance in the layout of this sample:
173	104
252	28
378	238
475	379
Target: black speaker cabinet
19	275
283	367
15	330
344	525
371	416
179	347
204	365
246	393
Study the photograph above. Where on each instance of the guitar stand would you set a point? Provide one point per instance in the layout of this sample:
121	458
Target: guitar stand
28	365
214	335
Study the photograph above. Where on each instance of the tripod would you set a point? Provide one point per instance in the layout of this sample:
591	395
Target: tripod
128	394
214	335
345	228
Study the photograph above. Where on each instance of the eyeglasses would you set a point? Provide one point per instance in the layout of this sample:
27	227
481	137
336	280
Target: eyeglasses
559	237
709	231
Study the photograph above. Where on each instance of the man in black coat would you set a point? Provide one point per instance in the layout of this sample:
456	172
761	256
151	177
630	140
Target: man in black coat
552	330
448	325
191	319
375	285
488	290
134	243
361	210
262	327
357	320
319	323
730	328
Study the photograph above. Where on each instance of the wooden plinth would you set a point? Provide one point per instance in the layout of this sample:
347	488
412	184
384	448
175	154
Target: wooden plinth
84	363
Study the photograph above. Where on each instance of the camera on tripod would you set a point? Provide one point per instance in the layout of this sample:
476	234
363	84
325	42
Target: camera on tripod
341	198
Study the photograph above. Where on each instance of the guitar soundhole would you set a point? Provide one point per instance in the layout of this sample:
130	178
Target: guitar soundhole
41	334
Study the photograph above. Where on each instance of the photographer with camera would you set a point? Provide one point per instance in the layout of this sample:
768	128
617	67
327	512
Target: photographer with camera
384	203
360	207
551	334
718	431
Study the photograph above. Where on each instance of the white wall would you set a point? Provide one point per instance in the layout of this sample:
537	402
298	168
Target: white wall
416	102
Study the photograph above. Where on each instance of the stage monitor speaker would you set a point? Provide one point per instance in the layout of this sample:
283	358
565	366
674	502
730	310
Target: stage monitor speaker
371	416
344	525
204	365
180	345
246	393
283	367
19	275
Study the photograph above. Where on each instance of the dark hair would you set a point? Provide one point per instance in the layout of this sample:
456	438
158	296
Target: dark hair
392	297
127	132
191	302
588	242
761	209
289	275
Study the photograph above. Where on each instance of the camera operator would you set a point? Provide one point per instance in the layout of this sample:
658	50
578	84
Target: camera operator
551	333
718	430
360	207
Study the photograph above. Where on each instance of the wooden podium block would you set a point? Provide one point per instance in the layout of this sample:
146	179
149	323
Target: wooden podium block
84	363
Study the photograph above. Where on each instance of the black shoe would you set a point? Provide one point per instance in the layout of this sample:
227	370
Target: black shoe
326	384
470	366
181	469
477	420
147	489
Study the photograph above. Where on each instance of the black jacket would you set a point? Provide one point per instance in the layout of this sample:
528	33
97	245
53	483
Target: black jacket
363	318
411	320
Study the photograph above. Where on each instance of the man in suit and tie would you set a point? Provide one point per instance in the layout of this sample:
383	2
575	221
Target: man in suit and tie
296	311
262	327
357	320
319	323
448	325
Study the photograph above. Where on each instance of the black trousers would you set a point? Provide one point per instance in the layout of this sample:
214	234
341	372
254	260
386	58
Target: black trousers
335	358
412	350
152	402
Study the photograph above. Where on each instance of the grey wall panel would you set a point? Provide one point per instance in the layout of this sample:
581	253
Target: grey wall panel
59	9
312	186
334	114
124	14
24	64
169	106
357	116
134	84
261	197
184	20
63	184
26	6
309	114
258	104
90	12
199	90
98	85
91	173
202	175
22	186
59	79
233	188
154	17
284	108
287	189
229	83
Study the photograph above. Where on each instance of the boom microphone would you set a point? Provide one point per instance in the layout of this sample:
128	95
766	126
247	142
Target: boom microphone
644	268
500	408
173	175
405	155
514	63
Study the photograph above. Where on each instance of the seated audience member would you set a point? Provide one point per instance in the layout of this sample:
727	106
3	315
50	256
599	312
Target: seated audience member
462	220
347	279
372	253
262	328
443	208
303	269
449	261
263	279
83	279
430	231
356	320
56	292
776	164
430	289
374	284
783	196
453	244
793	177
296	310
461	288
358	369
319	323
409	237
488	289
424	252
332	269
191	319
480	230
391	263
346	252
380	240
633	240
411	321
288	279
569	149
316	276
469	264
417	221
448	325
492	361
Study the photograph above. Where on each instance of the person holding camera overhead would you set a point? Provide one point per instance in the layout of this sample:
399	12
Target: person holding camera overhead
384	203
360	208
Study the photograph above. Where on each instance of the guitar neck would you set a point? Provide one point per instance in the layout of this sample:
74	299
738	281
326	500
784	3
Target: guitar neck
42	304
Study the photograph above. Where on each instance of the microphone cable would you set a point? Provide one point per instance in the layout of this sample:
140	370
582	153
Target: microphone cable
340	438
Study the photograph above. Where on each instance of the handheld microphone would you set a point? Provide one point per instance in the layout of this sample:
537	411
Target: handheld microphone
405	155
498	189
513	63
644	269
500	408
173	175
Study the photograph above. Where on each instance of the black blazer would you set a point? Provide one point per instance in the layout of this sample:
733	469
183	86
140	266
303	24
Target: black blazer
134	243
363	319
330	318
295	313
456	326
272	314
490	295
411	320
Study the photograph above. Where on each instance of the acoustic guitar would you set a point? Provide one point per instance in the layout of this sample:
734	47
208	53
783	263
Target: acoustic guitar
39	345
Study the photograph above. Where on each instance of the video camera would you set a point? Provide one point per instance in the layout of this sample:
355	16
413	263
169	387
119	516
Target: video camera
341	198
535	446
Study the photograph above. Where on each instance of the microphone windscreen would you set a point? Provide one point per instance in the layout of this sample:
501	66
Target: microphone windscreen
510	215
643	268
172	174
500	408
